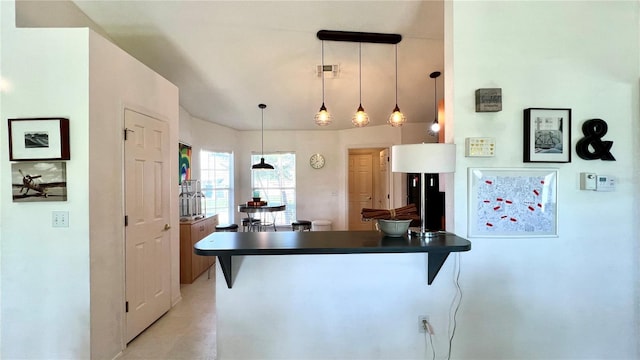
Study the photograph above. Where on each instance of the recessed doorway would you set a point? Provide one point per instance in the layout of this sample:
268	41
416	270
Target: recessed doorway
368	184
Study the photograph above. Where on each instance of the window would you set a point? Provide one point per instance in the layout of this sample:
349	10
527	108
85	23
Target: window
216	171
277	186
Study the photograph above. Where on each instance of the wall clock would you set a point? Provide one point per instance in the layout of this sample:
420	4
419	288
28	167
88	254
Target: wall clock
316	161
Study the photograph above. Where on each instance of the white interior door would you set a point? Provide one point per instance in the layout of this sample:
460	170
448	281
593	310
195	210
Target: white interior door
360	190
382	189
147	248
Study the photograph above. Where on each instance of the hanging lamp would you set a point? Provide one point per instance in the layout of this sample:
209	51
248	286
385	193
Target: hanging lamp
323	117
360	118
397	118
262	165
435	126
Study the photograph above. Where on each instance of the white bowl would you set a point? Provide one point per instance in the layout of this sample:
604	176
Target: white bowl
393	228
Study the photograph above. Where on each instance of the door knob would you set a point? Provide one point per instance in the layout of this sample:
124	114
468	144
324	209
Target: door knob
167	226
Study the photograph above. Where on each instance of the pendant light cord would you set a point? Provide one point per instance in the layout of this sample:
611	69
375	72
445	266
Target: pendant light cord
262	137
322	71
435	94
360	69
396	74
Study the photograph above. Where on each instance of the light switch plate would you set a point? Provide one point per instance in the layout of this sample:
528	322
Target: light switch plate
60	219
479	146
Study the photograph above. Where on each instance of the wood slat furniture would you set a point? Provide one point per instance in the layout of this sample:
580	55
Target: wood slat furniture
227	245
192	265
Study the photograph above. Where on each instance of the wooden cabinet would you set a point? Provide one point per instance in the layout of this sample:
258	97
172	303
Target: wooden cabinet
192	265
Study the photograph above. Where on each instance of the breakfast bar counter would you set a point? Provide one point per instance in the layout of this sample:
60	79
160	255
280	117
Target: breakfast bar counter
225	245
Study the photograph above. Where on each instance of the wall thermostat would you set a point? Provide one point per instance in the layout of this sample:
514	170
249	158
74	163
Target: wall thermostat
605	183
594	182
479	146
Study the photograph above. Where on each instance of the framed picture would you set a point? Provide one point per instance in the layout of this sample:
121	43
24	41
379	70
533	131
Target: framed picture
184	162
39	181
39	139
547	135
507	202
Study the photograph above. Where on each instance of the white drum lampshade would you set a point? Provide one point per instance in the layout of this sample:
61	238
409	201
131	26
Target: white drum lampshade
430	158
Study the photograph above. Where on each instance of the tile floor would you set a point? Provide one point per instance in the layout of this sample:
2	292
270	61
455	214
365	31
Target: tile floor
187	331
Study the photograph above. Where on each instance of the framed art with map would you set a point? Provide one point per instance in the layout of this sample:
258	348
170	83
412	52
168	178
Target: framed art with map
518	202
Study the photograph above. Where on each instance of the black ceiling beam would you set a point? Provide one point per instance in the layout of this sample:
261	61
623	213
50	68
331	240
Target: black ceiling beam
355	36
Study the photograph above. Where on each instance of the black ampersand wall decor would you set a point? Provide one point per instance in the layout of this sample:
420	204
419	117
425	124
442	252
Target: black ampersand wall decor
593	131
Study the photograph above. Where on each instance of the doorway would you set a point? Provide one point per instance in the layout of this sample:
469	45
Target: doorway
368	184
147	248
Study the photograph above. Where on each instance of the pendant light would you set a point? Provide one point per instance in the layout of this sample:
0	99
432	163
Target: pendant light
435	126
323	117
262	165
360	118
397	118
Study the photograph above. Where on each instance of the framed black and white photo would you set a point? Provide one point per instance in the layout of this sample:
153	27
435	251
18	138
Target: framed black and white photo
39	181
39	139
547	135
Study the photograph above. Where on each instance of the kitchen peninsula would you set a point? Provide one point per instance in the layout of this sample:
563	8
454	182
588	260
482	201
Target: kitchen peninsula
333	287
225	245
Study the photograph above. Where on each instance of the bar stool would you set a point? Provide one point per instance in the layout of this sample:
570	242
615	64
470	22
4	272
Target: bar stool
227	228
301	225
249	224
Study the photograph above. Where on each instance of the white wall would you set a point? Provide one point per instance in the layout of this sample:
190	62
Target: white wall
362	306
45	271
574	296
140	89
63	288
3	88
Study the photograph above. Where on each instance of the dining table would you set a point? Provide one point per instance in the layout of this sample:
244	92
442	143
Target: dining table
252	210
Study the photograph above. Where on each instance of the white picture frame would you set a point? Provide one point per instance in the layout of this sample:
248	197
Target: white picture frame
512	202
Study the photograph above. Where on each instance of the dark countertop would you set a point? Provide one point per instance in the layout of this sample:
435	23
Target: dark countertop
225	245
322	242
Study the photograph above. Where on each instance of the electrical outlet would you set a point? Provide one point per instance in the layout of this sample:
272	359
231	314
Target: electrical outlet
423	324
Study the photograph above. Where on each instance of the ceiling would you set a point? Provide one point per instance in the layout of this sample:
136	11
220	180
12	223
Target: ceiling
226	57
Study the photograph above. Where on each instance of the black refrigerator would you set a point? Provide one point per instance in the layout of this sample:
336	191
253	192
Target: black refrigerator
434	199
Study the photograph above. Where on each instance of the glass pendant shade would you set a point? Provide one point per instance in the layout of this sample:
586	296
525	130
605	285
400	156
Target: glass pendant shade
323	117
435	126
397	118
360	118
